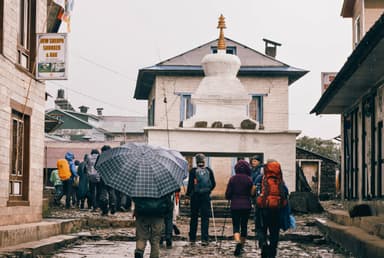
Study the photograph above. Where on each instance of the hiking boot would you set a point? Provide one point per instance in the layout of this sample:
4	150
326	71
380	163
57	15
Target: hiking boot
113	210
168	243
176	230
238	248
104	213
139	254
204	243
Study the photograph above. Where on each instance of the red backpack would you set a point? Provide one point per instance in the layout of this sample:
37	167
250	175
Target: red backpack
272	194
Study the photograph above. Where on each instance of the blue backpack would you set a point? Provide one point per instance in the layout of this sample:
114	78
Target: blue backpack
202	182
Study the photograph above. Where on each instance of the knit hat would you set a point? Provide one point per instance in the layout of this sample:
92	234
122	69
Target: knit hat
242	167
200	158
256	157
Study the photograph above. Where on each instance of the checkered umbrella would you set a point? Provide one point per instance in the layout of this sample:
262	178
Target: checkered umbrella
141	170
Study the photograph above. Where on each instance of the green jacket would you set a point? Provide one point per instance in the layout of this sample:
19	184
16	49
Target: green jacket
55	179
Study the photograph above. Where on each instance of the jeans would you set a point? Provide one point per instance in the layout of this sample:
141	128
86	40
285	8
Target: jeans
148	228
67	191
107	198
168	226
268	220
200	202
95	190
58	194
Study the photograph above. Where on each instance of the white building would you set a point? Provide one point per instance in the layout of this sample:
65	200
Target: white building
242	84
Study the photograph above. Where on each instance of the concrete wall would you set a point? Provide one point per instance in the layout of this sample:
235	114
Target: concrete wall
278	145
14	85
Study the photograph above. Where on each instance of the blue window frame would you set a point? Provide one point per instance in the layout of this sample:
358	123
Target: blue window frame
151	113
256	106
186	106
229	50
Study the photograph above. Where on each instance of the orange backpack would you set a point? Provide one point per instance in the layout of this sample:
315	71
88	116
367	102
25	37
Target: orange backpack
273	194
63	168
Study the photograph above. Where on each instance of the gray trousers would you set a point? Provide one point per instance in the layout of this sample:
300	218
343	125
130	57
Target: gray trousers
149	228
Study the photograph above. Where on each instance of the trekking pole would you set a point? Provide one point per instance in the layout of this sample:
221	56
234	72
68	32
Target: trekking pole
213	218
225	220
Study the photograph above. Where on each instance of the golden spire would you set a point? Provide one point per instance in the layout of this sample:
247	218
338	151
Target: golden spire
221	26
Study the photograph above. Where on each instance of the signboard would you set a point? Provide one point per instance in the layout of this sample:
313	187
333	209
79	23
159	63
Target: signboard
326	79
51	63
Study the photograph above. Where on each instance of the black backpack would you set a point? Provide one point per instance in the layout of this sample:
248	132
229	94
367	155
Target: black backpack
154	207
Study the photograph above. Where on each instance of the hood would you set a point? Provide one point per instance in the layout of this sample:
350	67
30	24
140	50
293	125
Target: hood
243	167
69	156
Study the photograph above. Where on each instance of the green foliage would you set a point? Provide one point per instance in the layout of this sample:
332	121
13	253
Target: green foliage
326	148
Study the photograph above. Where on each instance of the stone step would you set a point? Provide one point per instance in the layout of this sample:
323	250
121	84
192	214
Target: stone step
18	234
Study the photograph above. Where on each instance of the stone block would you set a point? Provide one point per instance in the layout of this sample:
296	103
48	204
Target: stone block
248	124
201	124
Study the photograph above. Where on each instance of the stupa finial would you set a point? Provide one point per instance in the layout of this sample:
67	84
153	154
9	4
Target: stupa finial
221	26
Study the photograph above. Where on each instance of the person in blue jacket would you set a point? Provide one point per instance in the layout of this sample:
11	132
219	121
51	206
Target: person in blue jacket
67	185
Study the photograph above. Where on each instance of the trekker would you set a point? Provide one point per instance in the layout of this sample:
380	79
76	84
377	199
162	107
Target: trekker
83	188
107	195
256	167
272	198
149	213
168	223
239	193
201	182
94	179
56	181
67	184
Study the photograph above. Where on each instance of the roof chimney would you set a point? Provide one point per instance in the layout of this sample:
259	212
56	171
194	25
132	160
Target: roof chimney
60	94
271	47
99	111
61	102
83	109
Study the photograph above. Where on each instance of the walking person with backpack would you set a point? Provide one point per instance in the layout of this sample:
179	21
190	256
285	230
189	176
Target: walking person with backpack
94	179
67	174
238	192
270	202
149	214
107	195
58	184
201	182
83	188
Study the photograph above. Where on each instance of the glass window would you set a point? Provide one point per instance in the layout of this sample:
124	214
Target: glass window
255	108
26	34
19	168
151	113
186	107
229	50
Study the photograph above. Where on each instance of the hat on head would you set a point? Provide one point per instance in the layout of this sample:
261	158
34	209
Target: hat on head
272	165
256	157
200	157
242	167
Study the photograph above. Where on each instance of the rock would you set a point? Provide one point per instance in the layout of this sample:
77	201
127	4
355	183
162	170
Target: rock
306	202
201	124
360	210
217	124
248	124
229	126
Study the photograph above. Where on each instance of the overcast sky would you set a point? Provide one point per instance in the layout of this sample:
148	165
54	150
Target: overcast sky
111	40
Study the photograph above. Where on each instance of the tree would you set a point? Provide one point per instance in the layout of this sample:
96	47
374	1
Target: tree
326	148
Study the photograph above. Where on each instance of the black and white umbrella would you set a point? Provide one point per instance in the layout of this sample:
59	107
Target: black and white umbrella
142	170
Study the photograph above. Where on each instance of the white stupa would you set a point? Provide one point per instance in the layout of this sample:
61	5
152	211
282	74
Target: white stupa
220	96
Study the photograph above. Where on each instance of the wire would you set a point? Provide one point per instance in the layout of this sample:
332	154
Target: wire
94	98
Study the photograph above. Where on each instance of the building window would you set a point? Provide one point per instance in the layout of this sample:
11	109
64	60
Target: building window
186	107
255	108
229	50
357	30
26	41
1	25
19	167
151	113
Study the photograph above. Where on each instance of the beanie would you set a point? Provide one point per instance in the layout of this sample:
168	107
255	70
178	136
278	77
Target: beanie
200	157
